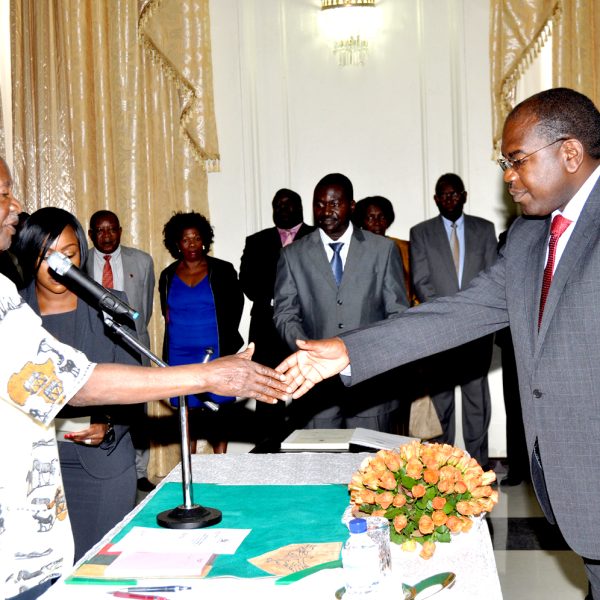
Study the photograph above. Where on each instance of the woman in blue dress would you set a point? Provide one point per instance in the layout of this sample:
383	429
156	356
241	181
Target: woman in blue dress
202	302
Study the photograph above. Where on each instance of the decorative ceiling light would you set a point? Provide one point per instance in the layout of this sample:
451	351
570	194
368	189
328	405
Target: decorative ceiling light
350	25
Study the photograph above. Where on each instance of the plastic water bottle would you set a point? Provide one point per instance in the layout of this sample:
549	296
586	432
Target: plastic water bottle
360	558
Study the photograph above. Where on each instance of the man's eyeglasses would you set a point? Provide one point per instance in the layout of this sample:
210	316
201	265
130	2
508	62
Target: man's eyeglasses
450	195
517	163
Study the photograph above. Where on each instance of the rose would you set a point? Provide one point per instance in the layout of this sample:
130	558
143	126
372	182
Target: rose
427	550
418	490
400	522
431	476
454	524
438	503
387	481
384	500
399	500
460	487
426	525
439	517
414	468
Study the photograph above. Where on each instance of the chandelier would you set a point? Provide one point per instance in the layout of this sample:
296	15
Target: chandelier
350	25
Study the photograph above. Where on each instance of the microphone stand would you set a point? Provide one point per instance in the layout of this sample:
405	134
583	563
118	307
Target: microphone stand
188	515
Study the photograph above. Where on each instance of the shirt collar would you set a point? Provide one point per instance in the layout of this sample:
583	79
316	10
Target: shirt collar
577	202
345	238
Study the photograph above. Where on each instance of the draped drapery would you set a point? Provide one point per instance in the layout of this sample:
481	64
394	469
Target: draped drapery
519	28
113	108
576	47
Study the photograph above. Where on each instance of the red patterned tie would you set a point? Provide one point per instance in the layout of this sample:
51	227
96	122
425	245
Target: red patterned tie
558	227
107	274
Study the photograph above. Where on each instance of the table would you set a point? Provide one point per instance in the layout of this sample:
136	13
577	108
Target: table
470	556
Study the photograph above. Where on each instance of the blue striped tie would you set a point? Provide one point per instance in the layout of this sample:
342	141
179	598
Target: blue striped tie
336	262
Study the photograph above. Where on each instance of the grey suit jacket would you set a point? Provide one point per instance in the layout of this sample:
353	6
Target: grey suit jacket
558	367
308	303
138	276
431	265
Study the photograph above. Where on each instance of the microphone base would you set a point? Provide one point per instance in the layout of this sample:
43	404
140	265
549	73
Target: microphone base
189	518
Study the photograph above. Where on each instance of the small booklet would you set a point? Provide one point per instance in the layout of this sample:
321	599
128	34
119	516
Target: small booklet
377	439
318	440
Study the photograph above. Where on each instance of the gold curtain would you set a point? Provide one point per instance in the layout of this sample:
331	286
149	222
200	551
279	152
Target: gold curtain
518	29
576	47
113	108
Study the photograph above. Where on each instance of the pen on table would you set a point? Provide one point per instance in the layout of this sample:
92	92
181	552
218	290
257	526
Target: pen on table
136	596
158	588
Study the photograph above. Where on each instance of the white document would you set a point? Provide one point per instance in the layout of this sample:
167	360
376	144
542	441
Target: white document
74	425
198	541
376	439
318	439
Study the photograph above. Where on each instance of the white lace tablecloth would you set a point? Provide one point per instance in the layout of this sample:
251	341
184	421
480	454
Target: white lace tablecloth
470	555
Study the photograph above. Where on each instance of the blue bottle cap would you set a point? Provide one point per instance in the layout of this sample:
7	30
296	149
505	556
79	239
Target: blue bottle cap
357	526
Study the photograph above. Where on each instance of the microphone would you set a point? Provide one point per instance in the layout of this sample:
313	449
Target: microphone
105	299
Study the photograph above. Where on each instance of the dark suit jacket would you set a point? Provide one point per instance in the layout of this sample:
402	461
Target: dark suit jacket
308	303
229	303
559	377
432	268
258	269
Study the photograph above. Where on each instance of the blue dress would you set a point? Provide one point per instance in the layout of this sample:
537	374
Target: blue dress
192	324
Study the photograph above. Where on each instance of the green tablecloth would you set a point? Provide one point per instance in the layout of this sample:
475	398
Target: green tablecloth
277	514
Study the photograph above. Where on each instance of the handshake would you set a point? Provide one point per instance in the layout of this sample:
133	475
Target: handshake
314	361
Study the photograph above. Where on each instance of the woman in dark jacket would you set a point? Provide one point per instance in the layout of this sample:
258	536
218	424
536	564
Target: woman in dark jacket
97	458
202	302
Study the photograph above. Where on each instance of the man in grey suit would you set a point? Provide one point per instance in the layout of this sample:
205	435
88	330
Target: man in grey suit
309	303
546	285
446	252
132	271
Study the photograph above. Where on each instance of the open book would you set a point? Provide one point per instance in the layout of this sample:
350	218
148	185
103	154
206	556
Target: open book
323	440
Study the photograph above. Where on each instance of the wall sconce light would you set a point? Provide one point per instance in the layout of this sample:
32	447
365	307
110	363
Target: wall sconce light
350	25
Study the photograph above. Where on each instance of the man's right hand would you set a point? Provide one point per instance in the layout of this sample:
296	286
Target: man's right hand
316	360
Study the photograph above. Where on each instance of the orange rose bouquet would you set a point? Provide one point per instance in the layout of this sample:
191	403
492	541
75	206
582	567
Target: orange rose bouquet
427	491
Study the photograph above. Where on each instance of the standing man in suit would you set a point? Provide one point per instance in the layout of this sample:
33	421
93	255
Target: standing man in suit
446	252
546	284
259	267
132	271
336	279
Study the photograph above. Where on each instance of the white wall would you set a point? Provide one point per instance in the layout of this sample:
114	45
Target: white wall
287	114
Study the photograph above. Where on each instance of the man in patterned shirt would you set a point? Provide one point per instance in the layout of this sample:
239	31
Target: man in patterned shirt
38	375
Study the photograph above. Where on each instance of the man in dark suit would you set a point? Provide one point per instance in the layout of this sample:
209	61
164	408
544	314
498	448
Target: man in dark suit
446	252
546	284
259	267
310	303
132	271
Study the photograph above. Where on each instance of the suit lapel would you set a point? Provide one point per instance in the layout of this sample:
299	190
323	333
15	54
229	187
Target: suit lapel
318	257
586	226
440	239
354	258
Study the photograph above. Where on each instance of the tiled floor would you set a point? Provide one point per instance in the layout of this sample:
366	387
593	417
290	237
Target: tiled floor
532	558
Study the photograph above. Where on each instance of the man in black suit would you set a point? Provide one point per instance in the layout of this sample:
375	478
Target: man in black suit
259	267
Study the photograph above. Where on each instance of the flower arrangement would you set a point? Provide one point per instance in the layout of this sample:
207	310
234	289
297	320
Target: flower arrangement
427	491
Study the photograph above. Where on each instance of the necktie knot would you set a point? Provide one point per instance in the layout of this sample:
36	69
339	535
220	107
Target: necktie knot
559	226
107	257
336	261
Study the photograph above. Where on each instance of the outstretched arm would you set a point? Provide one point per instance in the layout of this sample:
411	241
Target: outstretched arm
227	376
316	360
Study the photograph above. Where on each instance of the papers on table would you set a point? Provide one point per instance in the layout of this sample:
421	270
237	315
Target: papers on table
377	439
340	439
205	541
149	552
